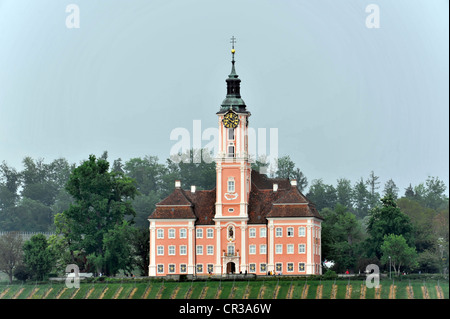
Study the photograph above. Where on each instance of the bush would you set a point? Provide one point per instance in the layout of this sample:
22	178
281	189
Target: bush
22	273
330	274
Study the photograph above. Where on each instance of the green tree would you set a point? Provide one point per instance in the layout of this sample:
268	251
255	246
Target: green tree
102	200
11	253
373	196
396	252
322	195
38	257
341	236
286	169
385	220
390	188
344	193
141	248
360	199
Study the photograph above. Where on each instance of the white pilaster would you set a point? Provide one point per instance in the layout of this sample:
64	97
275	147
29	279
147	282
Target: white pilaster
152	263
191	249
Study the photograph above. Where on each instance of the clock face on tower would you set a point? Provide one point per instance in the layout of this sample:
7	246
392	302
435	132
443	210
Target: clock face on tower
231	120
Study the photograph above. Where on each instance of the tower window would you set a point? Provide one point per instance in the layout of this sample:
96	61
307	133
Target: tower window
231	188
231	151
231	134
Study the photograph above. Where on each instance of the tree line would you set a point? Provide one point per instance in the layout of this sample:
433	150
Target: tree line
98	211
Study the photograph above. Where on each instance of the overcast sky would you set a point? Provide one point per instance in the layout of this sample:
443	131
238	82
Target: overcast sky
346	99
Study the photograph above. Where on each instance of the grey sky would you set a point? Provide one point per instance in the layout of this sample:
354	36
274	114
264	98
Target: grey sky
345	99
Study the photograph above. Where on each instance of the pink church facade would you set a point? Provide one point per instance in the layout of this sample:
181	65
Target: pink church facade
248	223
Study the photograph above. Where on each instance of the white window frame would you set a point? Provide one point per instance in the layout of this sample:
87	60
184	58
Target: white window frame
171	233
160	233
183	250
280	265
261	266
302	231
301	248
160	250
183	233
263	249
252	268
289	248
199	268
199	250
279	249
278	231
291	231
210	250
210	233
199	233
263	232
231	134
287	267
174	268
231	187
183	268
171	250
252	233
160	268
299	267
252	249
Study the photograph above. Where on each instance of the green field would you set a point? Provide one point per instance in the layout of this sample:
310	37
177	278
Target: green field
252	289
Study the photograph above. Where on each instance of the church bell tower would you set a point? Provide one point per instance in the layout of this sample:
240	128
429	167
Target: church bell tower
233	174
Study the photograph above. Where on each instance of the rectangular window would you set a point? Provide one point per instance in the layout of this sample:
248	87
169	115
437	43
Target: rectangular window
160	233
290	267
199	250
301	266
160	250
262	232
301	248
278	267
252	232
262	268
183	268
183	233
252	268
230	250
171	250
290	249
210	233
230	150
183	250
160	268
301	232
252	249
231	134
278	249
171	233
263	249
210	268
290	231
199	233
171	268
199	268
278	232
231	186
210	250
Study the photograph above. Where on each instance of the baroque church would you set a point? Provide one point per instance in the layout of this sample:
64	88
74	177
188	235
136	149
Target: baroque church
248	223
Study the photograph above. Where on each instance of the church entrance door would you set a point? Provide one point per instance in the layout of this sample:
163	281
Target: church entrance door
231	268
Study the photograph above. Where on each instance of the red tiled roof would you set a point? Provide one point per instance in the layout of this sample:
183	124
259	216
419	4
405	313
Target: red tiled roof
287	201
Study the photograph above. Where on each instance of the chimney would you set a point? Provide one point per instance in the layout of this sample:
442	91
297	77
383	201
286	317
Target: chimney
275	187
294	182
192	189
177	184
